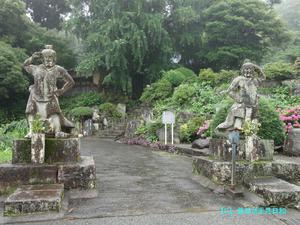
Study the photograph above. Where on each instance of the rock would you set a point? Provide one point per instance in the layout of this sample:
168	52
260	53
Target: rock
56	150
292	144
200	143
81	175
121	108
34	199
184	117
131	127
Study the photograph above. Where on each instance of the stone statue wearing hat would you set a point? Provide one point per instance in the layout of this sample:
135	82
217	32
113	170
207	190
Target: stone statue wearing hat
243	90
44	93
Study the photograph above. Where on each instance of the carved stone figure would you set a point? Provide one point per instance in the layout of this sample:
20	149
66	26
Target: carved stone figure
243	90
44	93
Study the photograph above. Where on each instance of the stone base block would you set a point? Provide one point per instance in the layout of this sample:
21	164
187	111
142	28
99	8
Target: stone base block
276	191
292	144
12	175
34	199
56	150
220	148
286	170
81	175
220	171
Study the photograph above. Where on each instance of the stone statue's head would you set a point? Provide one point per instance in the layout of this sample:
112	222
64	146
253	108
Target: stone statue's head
248	70
49	56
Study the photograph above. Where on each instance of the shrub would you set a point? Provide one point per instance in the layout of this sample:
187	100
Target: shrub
88	99
188	131
279	71
271	126
110	110
213	78
157	91
148	131
184	93
291	118
177	76
81	113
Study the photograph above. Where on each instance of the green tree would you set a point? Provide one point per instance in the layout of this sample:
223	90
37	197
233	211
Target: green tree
48	13
12	82
239	29
290	12
127	41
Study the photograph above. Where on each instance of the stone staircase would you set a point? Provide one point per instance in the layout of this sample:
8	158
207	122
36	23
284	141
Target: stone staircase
113	131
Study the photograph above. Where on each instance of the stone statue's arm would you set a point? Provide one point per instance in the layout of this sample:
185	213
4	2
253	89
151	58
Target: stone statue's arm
233	88
27	65
69	82
261	75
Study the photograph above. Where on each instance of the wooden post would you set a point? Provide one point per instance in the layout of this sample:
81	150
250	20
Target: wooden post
172	133
166	136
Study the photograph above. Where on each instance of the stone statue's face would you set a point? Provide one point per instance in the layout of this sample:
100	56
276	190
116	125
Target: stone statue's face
49	60
248	72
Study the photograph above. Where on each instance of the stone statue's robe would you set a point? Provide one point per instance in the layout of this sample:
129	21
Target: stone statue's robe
42	98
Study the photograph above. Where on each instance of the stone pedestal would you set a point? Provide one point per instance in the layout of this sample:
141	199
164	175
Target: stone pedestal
292	144
56	150
38	148
221	149
34	199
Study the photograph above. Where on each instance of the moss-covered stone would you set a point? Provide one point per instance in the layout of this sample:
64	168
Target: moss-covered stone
56	150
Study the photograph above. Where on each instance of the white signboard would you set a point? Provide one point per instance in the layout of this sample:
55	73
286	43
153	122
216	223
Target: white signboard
168	117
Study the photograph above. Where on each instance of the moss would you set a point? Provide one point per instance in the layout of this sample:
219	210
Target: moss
7	190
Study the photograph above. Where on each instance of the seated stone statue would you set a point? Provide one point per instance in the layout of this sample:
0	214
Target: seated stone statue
43	98
243	90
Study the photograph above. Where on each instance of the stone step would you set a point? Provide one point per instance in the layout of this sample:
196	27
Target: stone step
189	151
276	191
34	199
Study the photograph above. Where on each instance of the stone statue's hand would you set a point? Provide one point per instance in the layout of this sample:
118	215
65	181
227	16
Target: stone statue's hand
58	92
36	55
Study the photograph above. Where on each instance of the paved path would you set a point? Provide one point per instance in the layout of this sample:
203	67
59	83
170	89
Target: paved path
140	186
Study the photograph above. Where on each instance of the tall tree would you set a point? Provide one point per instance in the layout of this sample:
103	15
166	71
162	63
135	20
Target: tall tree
127	40
48	13
240	29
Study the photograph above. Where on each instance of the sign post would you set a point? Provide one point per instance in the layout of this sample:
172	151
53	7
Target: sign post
168	117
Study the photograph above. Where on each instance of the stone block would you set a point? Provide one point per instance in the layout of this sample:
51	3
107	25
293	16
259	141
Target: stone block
56	150
292	144
80	175
15	174
220	171
220	148
201	143
276	191
34	199
286	170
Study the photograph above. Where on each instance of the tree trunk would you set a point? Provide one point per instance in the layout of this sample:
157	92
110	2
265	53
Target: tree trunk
137	82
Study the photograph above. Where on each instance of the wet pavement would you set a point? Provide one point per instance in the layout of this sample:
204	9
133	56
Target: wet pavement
139	186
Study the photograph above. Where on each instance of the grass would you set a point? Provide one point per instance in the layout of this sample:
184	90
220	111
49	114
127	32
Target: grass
5	156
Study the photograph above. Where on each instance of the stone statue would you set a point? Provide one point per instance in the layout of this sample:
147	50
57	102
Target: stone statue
243	90
44	93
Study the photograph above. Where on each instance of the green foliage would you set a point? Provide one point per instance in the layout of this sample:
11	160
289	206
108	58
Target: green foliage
279	71
149	130
250	128
220	115
184	93
188	131
177	76
88	99
239	29
48	13
213	78
15	129
110	110
5	156
38	125
81	113
290	12
157	91
271	126
281	97
12	82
